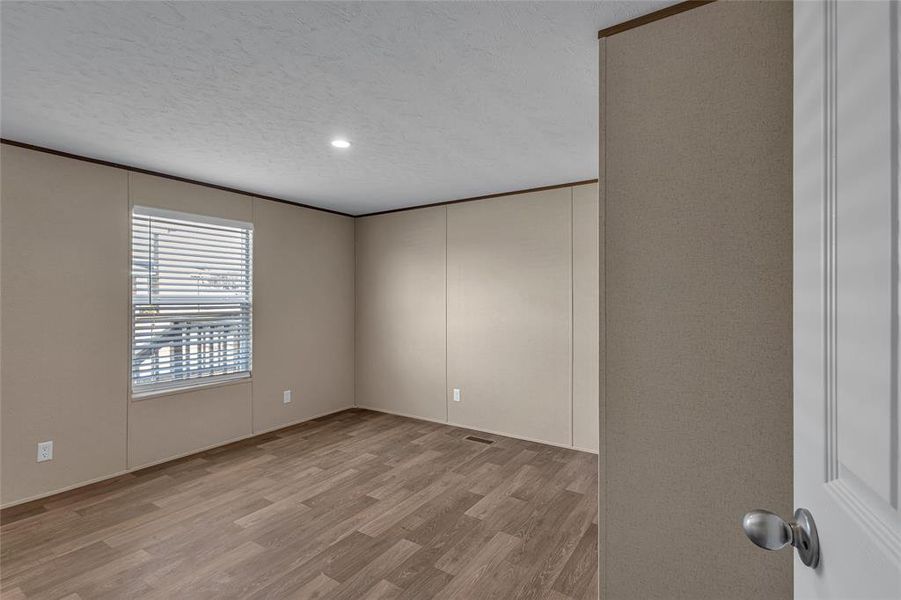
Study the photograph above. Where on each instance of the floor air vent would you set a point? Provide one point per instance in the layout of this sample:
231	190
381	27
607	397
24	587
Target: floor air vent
479	440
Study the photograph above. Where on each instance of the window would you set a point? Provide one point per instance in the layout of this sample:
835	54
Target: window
191	300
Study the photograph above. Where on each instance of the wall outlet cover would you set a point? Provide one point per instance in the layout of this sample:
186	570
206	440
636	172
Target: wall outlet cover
456	394
45	451
286	397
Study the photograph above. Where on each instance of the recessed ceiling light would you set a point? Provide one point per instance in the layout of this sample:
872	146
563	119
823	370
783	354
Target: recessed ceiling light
340	143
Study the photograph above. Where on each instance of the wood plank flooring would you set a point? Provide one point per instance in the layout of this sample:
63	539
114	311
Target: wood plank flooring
357	505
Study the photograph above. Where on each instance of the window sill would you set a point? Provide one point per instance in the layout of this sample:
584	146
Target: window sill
187	389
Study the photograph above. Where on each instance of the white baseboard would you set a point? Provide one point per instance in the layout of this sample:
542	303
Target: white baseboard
482	429
66	488
291	424
170	458
334	411
588	450
237	439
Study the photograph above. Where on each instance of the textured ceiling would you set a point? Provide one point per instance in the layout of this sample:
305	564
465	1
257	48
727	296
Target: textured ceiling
441	100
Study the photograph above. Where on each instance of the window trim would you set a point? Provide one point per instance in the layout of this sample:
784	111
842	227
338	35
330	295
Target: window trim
203	383
181	386
163	213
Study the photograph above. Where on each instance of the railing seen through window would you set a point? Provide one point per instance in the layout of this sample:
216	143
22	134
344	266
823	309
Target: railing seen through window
192	286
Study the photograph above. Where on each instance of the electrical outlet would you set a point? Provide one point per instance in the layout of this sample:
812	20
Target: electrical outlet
286	397
45	451
456	394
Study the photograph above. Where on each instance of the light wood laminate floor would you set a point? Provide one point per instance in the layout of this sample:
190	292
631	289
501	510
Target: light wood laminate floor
357	505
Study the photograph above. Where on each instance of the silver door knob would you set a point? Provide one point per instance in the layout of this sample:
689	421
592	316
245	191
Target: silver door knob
769	531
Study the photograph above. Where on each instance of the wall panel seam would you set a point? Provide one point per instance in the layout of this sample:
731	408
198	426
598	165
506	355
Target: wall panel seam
602	322
572	318
128	316
446	380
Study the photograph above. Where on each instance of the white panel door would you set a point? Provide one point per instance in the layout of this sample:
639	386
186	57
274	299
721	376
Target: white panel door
846	295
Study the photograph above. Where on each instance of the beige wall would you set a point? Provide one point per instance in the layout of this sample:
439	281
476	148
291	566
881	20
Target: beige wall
514	294
159	192
586	232
163	427
303	313
172	425
65	372
400	319
698	395
509	314
64	298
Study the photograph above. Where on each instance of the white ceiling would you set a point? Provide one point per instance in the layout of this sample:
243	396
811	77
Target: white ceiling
441	100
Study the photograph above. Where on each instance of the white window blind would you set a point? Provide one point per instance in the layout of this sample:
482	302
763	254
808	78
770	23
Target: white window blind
191	299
